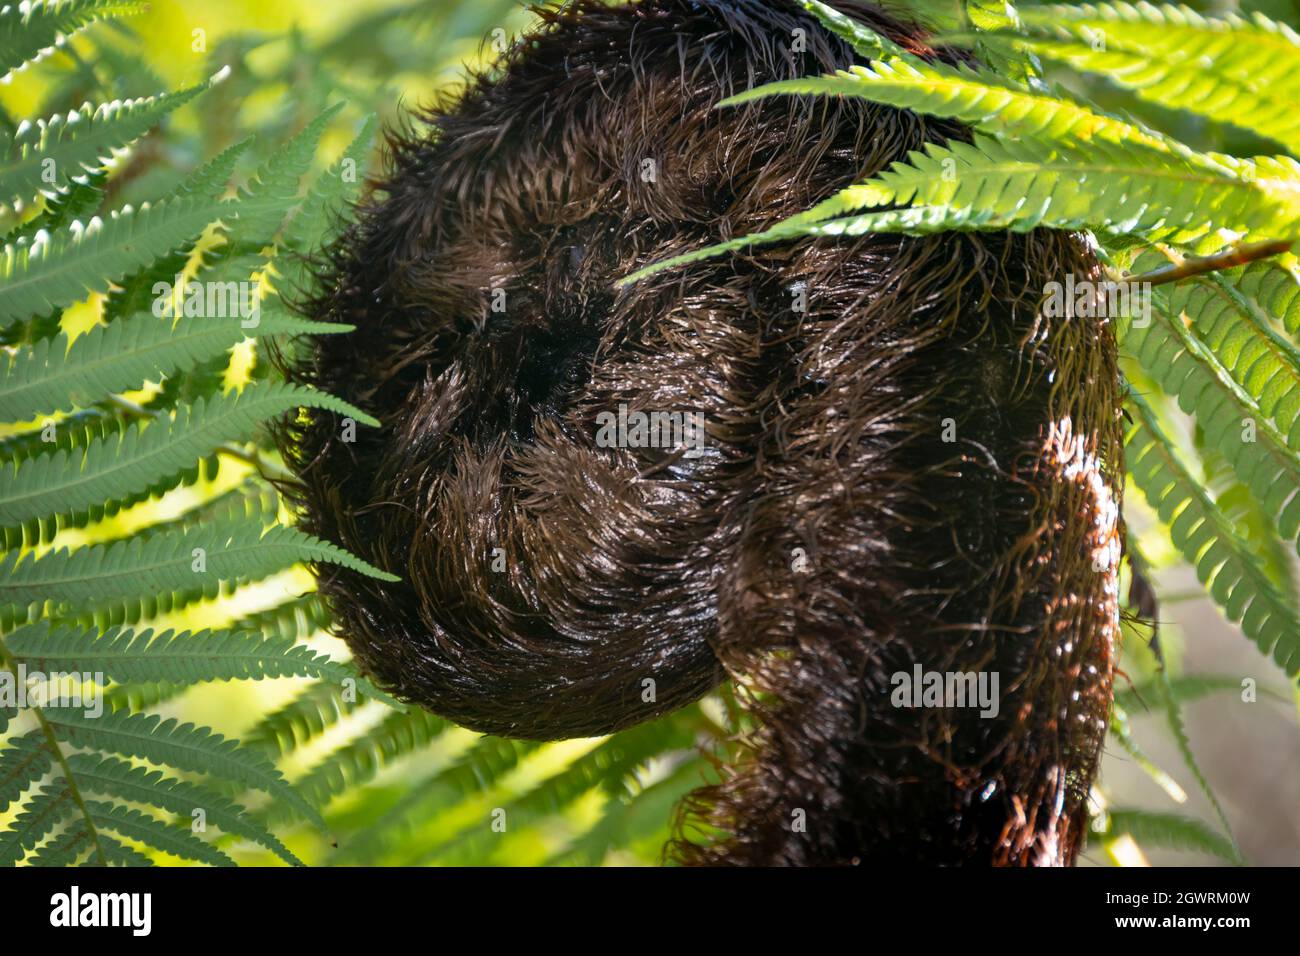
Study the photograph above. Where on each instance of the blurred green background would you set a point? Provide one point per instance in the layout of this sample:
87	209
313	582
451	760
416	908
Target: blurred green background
413	790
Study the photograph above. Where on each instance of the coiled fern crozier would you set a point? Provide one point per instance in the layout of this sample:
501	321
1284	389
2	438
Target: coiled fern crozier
146	404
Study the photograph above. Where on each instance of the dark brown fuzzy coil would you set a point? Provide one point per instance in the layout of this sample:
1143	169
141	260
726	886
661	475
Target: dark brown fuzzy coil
825	432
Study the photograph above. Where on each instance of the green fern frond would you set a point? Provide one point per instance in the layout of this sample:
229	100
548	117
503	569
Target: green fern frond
329	195
148	457
111	777
65	849
1206	538
1024	184
137	825
293	620
1115	189
181	746
23	761
480	768
273	190
57	269
1241	335
137	294
606	766
1165	830
865	41
141	574
637	817
303	719
79	200
1121	729
397	735
119	854
1226	413
990	102
177	658
125	354
42	813
136	697
212	178
1186	688
29	31
1174	719
1229	69
44	156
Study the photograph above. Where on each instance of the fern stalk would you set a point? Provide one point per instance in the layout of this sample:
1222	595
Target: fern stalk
52	740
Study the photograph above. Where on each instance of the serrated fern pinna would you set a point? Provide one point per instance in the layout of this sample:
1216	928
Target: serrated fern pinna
140	405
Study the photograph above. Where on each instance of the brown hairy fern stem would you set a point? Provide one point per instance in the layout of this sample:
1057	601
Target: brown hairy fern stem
946	457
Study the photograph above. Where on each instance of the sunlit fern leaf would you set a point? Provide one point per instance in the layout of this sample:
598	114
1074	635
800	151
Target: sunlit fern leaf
125	354
1206	538
1024	183
134	697
294	619
181	746
136	825
111	777
1112	188
23	761
28	31
148	457
44	156
1164	830
138	293
865	41
173	657
1228	415
1241	335
79	200
273	190
1227	68
140	572
1253	523
990	102
57	269
1275	285
213	177
327	200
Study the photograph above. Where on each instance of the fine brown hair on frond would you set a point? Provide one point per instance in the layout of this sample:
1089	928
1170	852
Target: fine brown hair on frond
906	463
